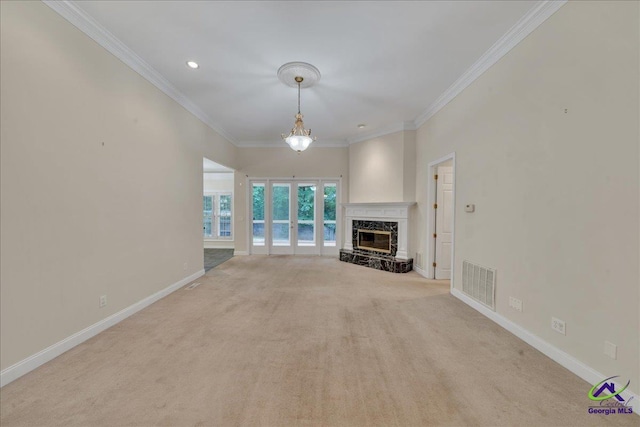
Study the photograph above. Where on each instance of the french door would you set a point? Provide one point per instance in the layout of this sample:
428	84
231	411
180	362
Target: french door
294	216
281	226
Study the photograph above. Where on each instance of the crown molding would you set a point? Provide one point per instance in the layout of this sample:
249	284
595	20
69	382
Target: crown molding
386	130
525	26
85	23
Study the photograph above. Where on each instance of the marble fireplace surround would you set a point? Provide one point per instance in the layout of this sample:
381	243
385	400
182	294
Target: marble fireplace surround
378	212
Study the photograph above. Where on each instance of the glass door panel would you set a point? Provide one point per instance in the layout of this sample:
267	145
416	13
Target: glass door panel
281	223
329	217
306	214
258	211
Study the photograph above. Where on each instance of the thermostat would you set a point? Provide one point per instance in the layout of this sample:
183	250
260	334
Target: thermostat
470	208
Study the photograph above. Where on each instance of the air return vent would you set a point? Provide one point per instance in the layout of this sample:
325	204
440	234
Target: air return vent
479	283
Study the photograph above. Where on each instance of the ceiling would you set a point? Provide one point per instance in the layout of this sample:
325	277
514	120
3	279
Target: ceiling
383	63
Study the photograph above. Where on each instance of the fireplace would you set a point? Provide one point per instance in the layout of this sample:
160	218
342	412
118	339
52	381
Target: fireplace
376	236
379	238
374	240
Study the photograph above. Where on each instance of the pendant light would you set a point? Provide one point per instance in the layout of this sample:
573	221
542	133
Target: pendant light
299	139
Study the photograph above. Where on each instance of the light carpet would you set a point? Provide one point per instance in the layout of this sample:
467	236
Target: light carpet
303	341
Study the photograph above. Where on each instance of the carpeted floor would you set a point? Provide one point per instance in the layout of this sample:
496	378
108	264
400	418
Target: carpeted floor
215	257
289	341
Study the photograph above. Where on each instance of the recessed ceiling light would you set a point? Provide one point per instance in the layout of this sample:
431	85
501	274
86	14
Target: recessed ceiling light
361	126
192	64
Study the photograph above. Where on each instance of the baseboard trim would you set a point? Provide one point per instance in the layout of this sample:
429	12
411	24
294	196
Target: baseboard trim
27	365
564	359
420	271
240	253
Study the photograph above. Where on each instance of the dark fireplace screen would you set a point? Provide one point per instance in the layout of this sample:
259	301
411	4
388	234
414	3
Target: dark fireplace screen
372	240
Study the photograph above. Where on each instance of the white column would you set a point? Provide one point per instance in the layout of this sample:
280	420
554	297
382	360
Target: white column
348	233
402	239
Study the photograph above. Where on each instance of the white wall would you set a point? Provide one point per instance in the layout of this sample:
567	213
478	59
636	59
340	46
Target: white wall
283	162
556	193
217	181
84	212
409	167
382	169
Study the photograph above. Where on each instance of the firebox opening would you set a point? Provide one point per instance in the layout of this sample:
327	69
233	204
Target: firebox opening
373	240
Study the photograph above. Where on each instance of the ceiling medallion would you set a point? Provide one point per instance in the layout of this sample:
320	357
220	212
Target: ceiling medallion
300	75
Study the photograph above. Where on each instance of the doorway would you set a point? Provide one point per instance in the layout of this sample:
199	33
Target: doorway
294	217
217	213
441	219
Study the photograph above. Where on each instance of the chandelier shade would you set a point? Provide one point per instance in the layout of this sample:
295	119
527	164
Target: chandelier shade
299	138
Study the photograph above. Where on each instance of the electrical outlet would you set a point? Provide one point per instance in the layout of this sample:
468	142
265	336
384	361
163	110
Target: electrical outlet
559	326
419	258
103	301
515	303
184	266
610	349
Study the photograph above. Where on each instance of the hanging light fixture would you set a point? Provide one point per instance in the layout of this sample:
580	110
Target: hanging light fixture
301	74
299	138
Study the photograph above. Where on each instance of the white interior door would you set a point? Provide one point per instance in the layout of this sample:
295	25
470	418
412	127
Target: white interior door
444	222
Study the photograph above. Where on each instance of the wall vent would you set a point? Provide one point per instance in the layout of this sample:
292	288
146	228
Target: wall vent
479	283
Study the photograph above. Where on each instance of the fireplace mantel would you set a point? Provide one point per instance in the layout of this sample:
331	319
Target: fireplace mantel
398	212
378	210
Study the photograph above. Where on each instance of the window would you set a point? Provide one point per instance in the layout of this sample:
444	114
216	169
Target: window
330	193
207	210
280	215
224	215
306	214
258	214
216	214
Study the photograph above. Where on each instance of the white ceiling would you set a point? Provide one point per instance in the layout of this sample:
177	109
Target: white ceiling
383	63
